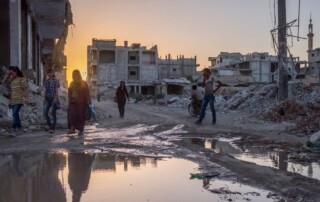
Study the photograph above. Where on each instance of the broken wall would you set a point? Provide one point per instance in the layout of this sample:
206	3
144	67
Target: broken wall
149	73
121	72
261	71
106	73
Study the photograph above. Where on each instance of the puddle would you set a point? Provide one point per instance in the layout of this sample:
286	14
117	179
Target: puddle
88	177
259	156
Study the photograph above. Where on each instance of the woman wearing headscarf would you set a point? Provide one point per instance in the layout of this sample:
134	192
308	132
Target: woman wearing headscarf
122	95
79	101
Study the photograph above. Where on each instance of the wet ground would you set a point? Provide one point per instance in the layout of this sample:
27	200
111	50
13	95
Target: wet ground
105	177
156	155
275	158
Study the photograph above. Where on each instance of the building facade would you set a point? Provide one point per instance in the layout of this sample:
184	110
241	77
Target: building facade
108	64
254	67
177	68
33	35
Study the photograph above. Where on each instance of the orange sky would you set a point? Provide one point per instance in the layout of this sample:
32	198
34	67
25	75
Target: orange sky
201	28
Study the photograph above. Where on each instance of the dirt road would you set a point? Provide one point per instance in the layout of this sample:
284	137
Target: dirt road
161	131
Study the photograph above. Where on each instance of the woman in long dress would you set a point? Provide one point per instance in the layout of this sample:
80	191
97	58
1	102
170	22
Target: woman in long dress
122	95
79	101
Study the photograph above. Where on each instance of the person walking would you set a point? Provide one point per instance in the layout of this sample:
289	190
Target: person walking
122	95
51	100
18	96
209	89
79	101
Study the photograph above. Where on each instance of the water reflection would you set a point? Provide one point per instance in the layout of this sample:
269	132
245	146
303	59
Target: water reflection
101	177
263	157
31	178
218	146
80	165
40	177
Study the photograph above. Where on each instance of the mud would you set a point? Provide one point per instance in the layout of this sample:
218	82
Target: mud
156	132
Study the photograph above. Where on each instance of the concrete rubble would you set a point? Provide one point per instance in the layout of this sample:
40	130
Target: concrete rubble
257	100
260	101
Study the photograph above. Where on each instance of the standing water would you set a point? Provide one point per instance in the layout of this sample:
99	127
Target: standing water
105	177
259	156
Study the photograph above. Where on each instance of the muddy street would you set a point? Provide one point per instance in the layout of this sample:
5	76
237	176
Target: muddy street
159	101
153	146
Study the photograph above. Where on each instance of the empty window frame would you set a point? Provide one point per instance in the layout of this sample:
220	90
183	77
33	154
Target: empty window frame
133	57
107	56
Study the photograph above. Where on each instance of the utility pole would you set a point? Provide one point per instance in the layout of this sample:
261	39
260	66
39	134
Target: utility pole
282	53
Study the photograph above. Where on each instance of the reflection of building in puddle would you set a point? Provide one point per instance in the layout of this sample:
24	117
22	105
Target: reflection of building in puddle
226	148
310	170
108	162
31	177
259	156
36	177
279	160
218	146
105	162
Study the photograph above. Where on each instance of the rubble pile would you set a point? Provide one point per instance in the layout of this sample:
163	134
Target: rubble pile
302	108
31	115
288	110
107	95
176	102
255	99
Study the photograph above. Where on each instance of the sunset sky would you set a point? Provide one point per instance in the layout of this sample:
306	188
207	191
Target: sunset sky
201	28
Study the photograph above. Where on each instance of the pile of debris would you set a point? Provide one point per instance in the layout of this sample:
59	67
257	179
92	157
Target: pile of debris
303	108
260	100
287	110
31	116
254	99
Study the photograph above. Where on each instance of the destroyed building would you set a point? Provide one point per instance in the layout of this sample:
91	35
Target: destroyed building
33	35
141	69
235	68
170	68
108	64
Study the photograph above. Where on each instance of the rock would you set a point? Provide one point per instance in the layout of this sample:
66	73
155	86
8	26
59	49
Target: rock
315	137
173	99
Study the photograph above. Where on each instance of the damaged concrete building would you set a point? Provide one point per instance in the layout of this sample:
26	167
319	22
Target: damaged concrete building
170	68
141	69
108	64
235	68
33	35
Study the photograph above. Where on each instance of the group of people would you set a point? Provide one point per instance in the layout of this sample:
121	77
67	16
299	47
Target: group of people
80	101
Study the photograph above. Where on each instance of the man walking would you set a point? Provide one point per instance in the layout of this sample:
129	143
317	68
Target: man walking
209	89
51	100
